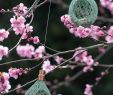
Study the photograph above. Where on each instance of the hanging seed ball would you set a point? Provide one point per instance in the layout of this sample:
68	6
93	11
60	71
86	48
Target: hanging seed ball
83	12
39	87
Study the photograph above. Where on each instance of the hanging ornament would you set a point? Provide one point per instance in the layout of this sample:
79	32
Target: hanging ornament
39	87
83	12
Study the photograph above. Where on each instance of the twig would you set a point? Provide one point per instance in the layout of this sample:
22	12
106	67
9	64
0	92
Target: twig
15	45
31	9
47	23
64	82
84	48
41	3
105	19
78	74
61	64
81	72
15	61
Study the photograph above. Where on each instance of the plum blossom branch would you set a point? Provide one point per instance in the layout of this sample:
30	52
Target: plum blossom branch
103	19
81	72
21	35
70	80
85	48
64	52
41	3
31	9
80	54
76	76
16	61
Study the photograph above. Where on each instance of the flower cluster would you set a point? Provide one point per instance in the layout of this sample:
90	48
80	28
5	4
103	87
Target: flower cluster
29	51
94	32
39	52
81	56
109	37
47	67
107	4
5	77
88	89
20	10
16	72
25	50
19	26
3	51
3	34
58	59
4	82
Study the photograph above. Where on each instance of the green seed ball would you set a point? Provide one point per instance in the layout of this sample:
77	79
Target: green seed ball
83	12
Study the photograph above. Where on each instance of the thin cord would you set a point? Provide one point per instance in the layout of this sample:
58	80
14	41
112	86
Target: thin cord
47	22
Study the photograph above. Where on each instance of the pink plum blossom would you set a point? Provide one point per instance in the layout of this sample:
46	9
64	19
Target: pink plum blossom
4	82
105	3
47	67
58	59
36	40
81	32
94	32
3	34
87	68
88	89
3	51
39	52
18	24
88	60
28	30
20	10
81	56
110	7
25	50
16	72
66	19
109	37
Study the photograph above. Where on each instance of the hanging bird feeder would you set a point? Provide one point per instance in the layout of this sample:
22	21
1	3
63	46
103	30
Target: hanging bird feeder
39	87
83	12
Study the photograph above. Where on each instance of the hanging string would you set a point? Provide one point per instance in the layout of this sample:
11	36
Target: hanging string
39	87
47	24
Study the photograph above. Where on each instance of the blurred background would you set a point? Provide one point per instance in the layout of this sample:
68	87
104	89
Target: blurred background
60	39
